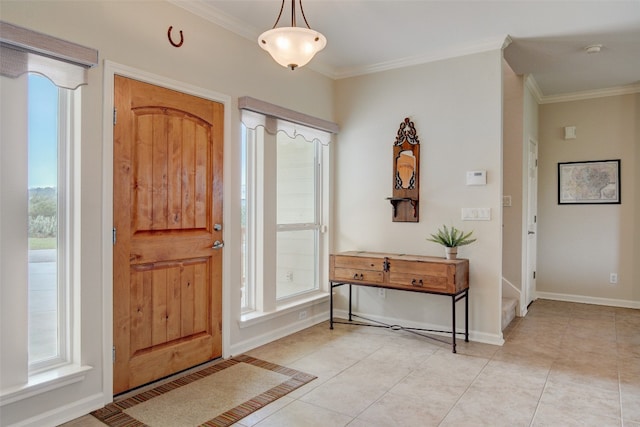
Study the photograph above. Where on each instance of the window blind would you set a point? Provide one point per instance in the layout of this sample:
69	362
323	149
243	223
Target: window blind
275	119
64	63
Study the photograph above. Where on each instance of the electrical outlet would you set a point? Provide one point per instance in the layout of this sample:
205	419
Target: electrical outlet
613	278
382	292
289	276
302	315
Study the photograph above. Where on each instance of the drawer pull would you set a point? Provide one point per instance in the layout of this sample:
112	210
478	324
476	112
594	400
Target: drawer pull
357	276
415	282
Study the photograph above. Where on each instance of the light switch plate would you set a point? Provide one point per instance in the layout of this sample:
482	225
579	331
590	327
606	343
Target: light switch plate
476	214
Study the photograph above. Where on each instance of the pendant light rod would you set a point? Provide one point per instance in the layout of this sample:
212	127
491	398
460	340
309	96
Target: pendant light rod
293	14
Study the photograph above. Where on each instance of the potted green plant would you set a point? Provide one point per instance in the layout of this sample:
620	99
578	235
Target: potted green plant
451	238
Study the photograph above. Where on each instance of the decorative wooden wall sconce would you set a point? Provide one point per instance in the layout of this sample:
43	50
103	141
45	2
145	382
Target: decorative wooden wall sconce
174	44
406	174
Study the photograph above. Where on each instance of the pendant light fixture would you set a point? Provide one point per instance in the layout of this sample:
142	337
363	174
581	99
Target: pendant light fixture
292	47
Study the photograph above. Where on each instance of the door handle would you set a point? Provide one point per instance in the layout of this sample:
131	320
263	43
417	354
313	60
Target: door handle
217	245
531	232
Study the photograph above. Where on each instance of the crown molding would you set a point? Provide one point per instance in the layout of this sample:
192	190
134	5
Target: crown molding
540	98
533	87
212	14
590	94
485	46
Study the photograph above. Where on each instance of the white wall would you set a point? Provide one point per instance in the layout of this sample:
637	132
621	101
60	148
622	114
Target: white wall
513	145
580	245
134	34
456	106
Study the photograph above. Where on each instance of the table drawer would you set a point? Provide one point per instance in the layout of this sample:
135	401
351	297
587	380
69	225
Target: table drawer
355	275
429	276
358	263
356	269
416	282
422	268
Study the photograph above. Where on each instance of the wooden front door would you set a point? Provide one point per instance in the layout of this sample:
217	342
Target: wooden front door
167	291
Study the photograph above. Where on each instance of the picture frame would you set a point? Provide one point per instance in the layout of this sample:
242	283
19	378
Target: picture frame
589	182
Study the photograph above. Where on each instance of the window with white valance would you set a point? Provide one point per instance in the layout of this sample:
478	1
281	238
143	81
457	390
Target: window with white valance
26	51
273	119
285	195
40	79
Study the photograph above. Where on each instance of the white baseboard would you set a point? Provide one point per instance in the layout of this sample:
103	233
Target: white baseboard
64	413
259	340
475	336
588	300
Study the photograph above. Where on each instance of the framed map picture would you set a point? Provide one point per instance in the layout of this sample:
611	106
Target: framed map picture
593	182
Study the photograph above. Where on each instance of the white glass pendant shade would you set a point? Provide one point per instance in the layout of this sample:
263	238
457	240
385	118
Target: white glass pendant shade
292	47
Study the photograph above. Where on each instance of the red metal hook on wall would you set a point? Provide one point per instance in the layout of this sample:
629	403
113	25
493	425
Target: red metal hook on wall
171	40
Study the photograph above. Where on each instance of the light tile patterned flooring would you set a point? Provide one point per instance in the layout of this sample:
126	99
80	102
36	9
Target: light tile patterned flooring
564	364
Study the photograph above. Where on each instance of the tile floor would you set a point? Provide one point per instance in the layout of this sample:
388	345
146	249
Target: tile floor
564	364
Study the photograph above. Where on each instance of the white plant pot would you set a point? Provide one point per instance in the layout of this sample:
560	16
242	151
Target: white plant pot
451	253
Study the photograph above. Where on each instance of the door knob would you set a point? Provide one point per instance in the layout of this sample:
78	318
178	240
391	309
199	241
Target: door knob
217	245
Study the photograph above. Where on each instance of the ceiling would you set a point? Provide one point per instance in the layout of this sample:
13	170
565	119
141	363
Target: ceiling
548	37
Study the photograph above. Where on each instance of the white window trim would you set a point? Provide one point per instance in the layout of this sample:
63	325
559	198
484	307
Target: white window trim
256	317
67	368
43	382
25	50
266	307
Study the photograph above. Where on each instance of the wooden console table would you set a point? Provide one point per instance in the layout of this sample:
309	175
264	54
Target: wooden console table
413	273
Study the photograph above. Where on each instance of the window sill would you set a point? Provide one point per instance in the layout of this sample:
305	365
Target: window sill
43	382
256	317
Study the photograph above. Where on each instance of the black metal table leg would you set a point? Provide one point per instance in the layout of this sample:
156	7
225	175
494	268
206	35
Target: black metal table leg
453	323
466	316
331	306
350	302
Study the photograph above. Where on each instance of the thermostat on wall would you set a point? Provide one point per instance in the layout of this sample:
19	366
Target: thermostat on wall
476	177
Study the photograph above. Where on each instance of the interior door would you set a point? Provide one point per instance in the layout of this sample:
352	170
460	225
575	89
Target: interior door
167	232
532	222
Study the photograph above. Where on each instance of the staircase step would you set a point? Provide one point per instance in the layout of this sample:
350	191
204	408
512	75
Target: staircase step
508	311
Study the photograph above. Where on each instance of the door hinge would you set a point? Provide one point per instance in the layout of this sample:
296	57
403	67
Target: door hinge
113	235
536	162
115	116
535	219
113	354
534	274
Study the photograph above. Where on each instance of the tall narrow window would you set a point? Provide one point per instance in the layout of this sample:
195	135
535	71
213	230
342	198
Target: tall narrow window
247	296
297	216
285	199
47	150
40	209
